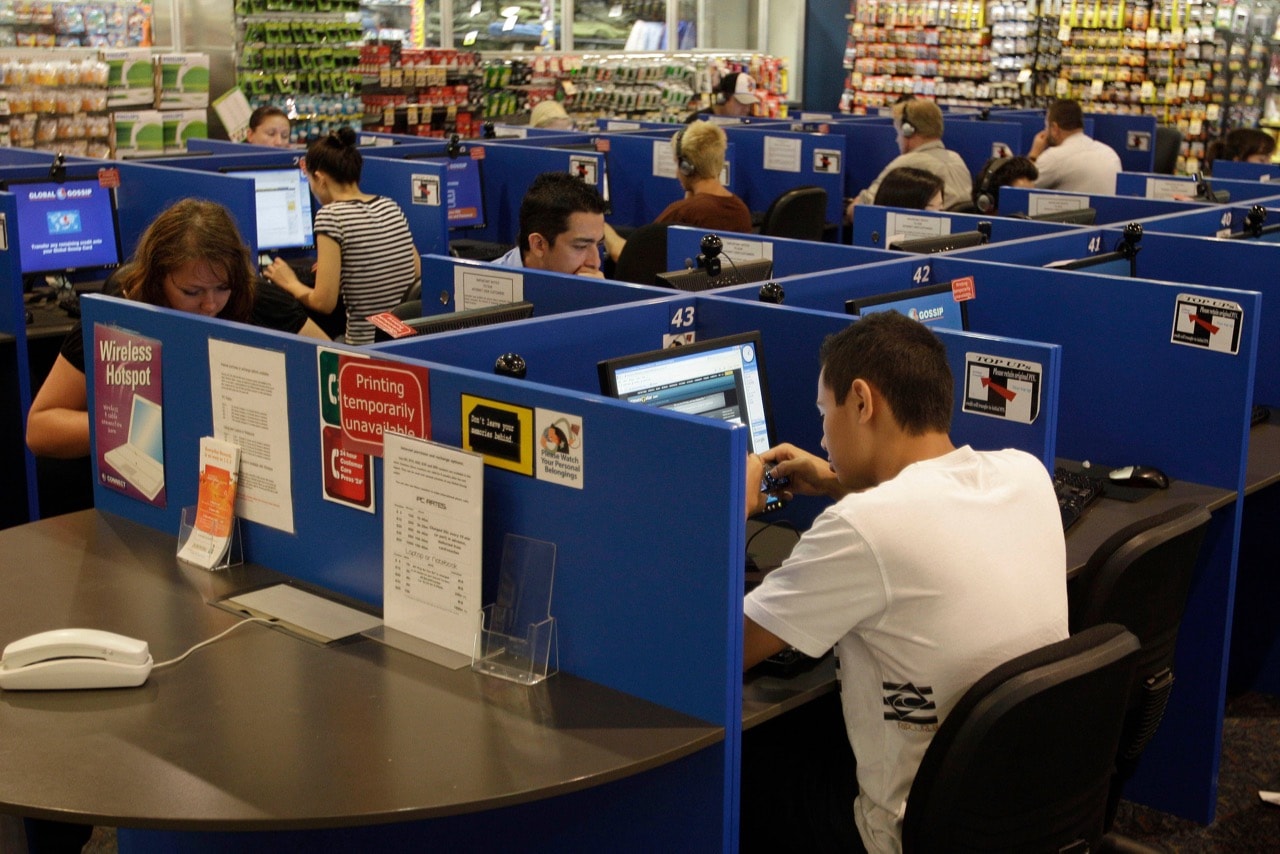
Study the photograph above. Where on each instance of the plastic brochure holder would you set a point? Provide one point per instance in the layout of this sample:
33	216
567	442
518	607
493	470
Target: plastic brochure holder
234	553
517	636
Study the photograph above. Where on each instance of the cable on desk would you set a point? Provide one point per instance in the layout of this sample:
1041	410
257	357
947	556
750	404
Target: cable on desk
219	636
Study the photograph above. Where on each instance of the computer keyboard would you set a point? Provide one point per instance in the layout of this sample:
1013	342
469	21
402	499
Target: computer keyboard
1076	491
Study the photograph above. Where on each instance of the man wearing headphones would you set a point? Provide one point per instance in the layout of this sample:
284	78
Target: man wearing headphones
699	154
735	96
1001	172
919	126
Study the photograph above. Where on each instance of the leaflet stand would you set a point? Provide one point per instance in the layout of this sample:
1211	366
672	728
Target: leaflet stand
517	637
234	553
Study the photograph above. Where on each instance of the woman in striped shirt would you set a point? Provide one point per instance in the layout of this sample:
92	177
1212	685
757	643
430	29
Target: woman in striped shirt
364	250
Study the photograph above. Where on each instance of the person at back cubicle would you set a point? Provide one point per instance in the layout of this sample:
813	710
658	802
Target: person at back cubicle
364	250
699	152
190	258
550	115
907	187
735	96
1247	145
561	227
269	126
1070	160
919	126
901	574
1001	172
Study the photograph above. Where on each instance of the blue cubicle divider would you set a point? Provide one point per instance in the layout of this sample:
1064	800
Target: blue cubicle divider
550	293
1158	186
871	144
22	156
790	257
771	161
16	387
509	169
1132	137
1206	220
146	189
978	141
1120	208
1233	170
871	225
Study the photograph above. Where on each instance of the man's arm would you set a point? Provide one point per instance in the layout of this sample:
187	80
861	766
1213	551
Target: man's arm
758	643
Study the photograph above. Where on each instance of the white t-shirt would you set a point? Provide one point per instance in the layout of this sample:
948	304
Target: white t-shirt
923	584
1079	164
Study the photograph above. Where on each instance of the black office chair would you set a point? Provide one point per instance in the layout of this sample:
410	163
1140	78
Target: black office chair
1140	577
644	256
408	310
799	213
1024	760
1168	146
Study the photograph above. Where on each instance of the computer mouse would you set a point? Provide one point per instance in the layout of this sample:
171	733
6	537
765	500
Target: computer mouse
1144	476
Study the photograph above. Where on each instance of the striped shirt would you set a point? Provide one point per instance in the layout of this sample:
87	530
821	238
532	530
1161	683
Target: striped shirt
377	258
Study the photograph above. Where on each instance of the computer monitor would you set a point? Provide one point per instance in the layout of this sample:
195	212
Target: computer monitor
282	199
1075	216
698	279
941	242
1107	264
66	225
932	305
718	378
472	317
463	189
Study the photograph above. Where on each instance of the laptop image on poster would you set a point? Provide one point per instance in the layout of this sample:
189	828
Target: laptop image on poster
140	461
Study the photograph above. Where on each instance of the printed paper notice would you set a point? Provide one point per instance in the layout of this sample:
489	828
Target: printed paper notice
745	249
559	447
911	226
433	513
479	287
782	154
215	504
664	159
1002	388
1170	188
1211	324
1045	203
250	409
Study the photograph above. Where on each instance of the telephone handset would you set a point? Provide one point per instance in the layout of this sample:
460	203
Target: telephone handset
74	658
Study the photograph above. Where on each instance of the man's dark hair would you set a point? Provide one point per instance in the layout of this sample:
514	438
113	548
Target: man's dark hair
902	359
1066	114
549	202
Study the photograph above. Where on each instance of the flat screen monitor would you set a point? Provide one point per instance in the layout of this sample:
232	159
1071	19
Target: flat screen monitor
932	305
463	189
282	198
65	225
1107	264
720	378
1075	216
467	319
940	242
698	279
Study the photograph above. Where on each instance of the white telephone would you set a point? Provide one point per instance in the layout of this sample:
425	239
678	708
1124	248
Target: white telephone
74	658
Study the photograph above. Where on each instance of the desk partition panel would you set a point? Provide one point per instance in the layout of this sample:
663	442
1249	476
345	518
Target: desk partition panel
1234	170
979	141
510	168
1131	394
1022	200
790	257
1132	137
874	225
771	161
15	377
872	142
1158	186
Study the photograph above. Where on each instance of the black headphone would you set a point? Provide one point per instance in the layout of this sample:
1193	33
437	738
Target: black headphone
988	195
908	129
684	164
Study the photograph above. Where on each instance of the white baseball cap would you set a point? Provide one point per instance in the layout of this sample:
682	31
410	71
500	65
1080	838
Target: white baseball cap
740	86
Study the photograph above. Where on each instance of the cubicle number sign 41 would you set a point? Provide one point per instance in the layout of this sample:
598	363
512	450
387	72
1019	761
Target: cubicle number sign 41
1211	324
1002	388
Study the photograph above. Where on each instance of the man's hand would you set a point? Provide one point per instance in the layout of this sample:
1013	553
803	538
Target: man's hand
810	474
1039	144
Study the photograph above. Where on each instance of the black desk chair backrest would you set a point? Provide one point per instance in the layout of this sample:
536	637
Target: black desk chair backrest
1168	146
644	256
799	213
1024	760
1140	578
408	310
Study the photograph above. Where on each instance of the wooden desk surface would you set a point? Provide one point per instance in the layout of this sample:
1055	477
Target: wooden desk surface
262	730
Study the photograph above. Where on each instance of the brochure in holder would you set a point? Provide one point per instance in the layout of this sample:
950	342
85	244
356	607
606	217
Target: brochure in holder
190	538
517	638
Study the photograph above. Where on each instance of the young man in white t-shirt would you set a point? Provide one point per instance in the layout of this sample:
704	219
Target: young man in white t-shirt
934	565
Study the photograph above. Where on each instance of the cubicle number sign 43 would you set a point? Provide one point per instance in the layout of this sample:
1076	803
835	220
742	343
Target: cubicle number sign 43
681	329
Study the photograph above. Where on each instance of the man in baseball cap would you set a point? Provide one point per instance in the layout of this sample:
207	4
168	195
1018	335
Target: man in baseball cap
734	96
